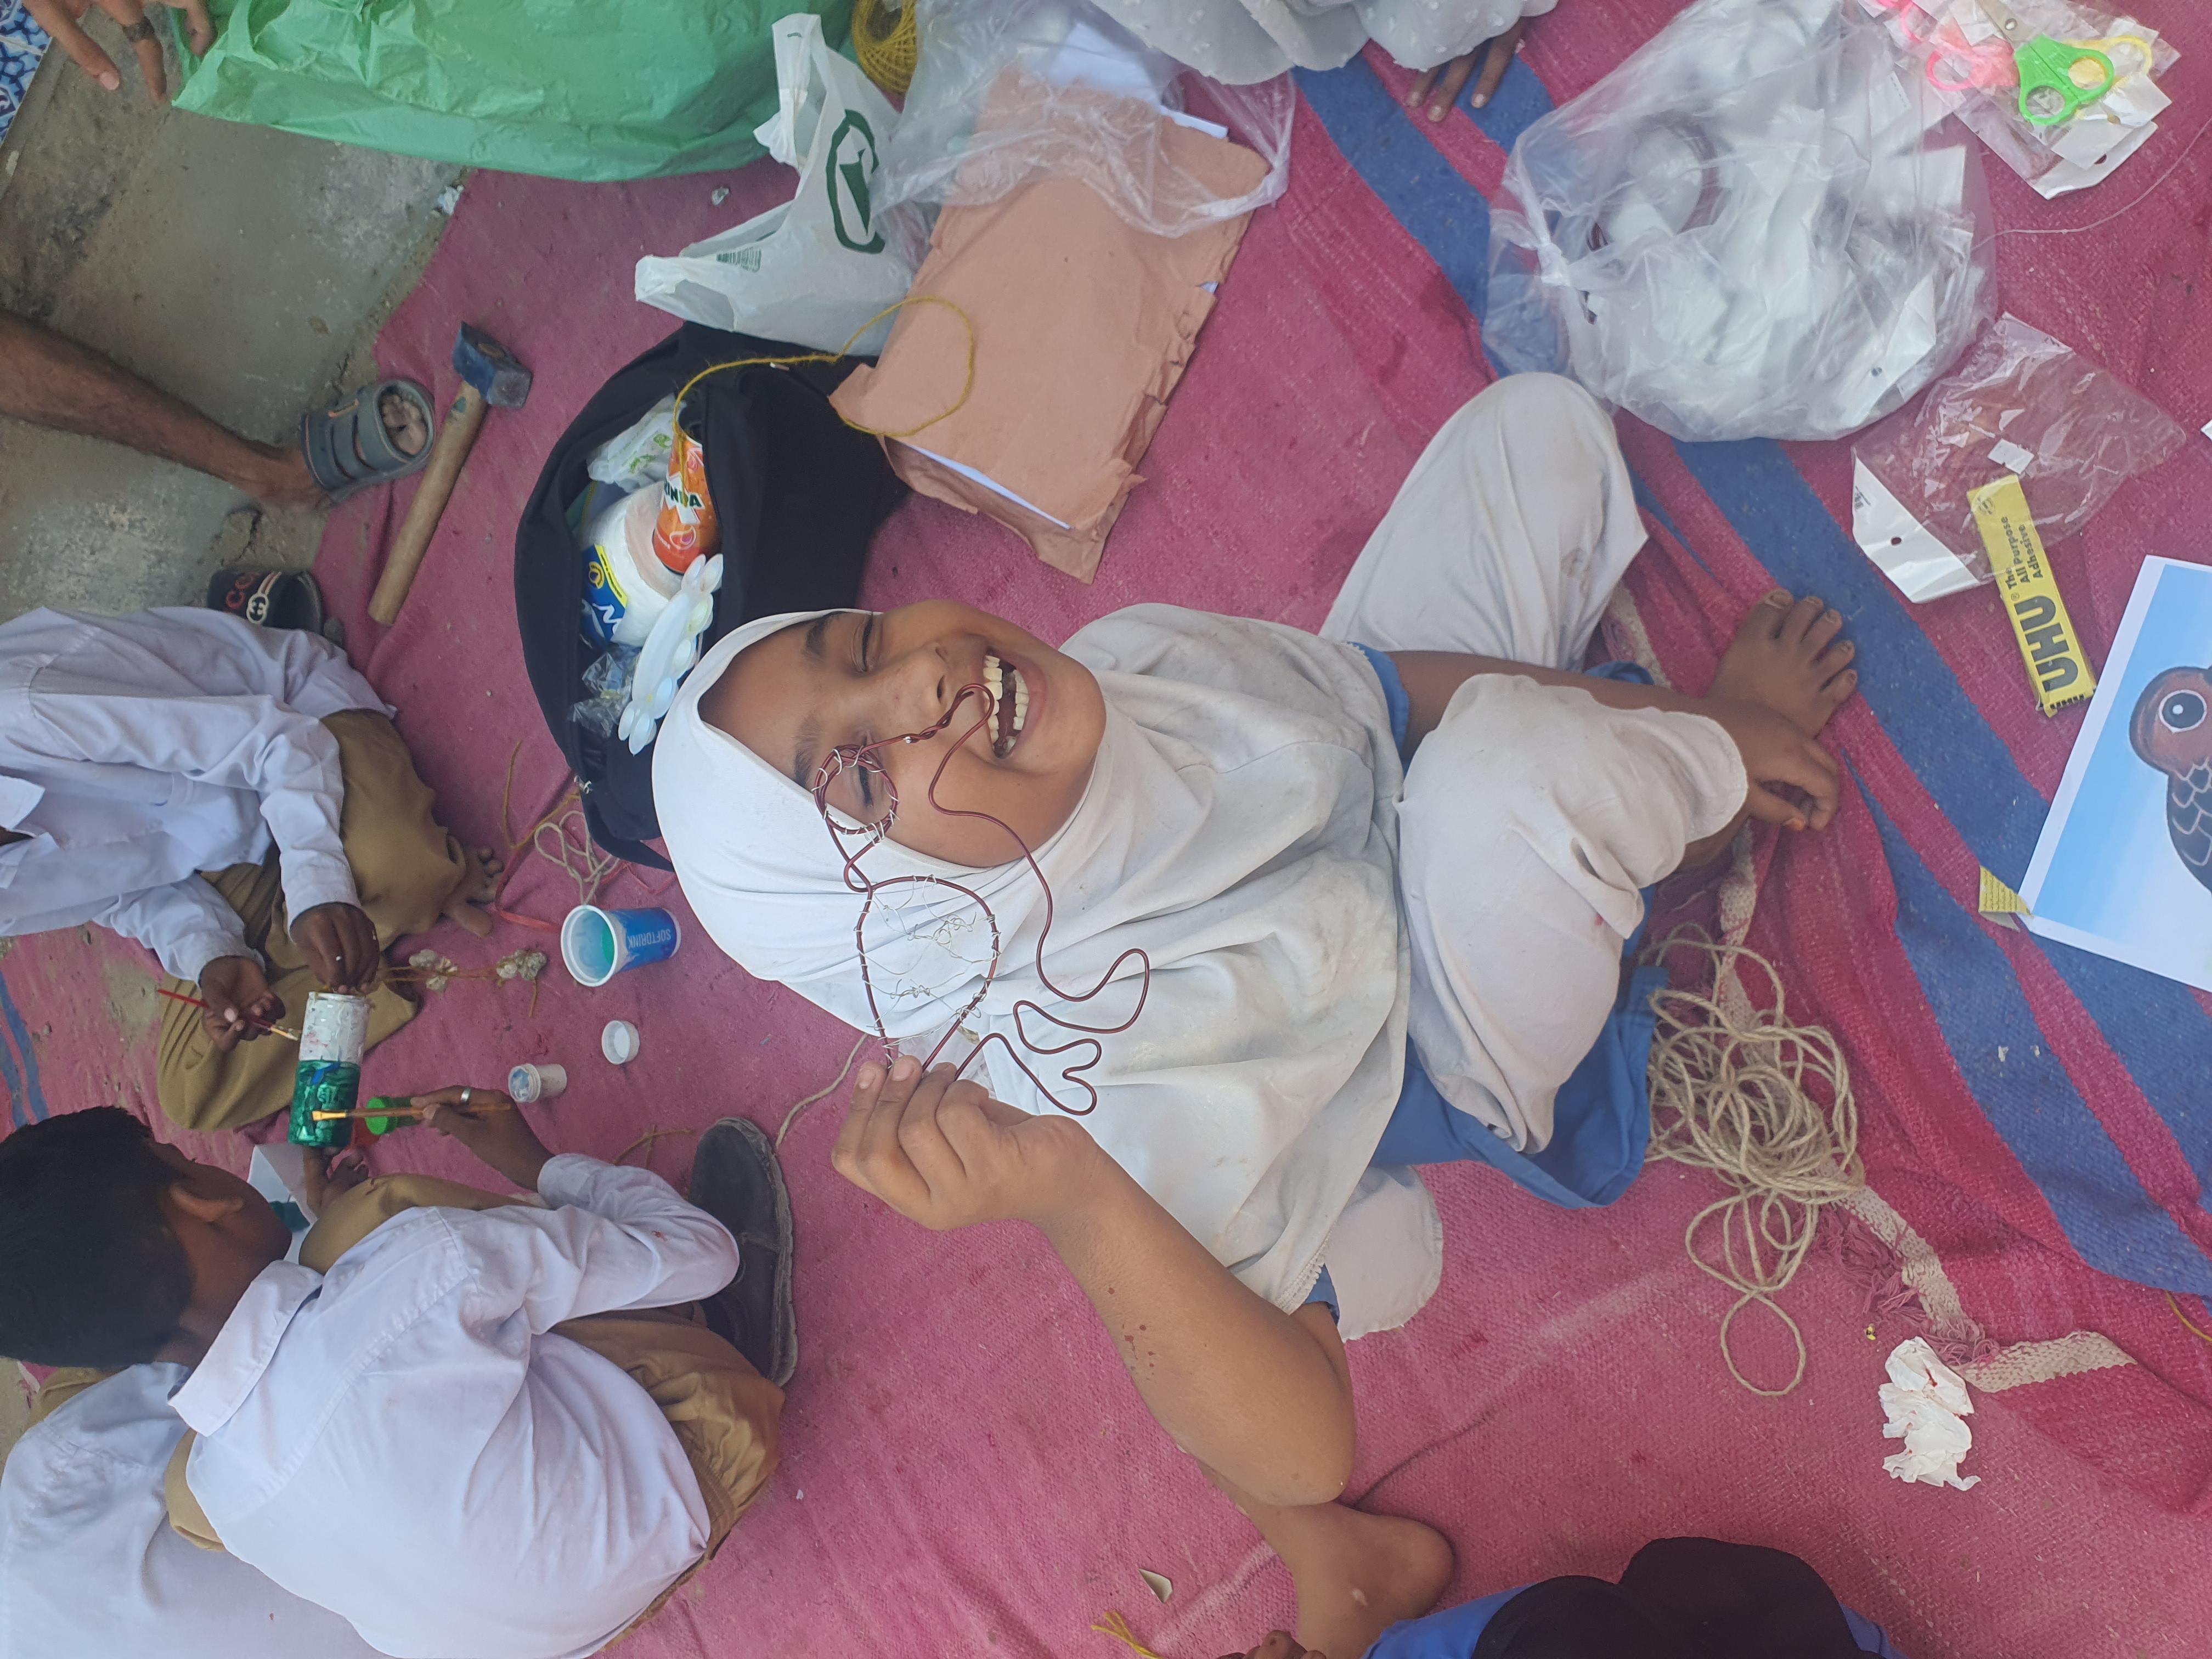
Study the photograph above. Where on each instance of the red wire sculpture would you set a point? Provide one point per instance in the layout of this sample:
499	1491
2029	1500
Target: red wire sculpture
1085	1042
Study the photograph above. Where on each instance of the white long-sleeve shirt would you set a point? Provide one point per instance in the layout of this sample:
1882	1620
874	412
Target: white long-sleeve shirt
402	1442
135	752
90	1567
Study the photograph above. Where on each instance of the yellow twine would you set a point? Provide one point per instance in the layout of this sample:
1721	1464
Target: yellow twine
887	43
2185	1324
967	386
792	1116
1118	1627
1737	1092
646	1140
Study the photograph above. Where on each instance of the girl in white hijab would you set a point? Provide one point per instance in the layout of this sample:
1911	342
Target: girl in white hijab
1223	802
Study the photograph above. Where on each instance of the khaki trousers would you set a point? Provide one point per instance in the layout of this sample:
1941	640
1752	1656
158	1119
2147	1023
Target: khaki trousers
405	868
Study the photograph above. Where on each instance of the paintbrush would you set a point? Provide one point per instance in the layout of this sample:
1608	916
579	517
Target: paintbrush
404	1109
179	996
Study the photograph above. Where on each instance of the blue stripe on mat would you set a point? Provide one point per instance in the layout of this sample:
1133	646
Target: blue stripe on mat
1439	209
2027	1095
2153	1025
30	1096
24	1104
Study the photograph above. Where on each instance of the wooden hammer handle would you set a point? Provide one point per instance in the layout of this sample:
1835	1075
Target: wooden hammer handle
448	456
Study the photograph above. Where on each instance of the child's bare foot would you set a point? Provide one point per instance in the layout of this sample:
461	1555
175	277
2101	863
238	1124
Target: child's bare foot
1369	1572
479	885
1786	658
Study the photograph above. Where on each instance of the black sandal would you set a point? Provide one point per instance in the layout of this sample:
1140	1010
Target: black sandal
347	449
270	599
736	1179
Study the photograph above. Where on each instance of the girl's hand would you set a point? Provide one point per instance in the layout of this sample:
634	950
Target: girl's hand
1777	757
942	1152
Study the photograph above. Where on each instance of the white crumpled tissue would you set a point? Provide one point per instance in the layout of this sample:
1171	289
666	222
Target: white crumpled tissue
1927	1405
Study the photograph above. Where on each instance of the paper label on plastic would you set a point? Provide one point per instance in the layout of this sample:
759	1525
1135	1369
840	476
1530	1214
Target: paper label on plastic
2010	456
1907	553
2057	666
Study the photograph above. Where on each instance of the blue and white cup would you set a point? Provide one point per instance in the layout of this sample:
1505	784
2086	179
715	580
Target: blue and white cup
596	945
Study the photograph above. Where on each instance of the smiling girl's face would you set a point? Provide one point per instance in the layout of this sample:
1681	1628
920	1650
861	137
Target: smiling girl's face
855	677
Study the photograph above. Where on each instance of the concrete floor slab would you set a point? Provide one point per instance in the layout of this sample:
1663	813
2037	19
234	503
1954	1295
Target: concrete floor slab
244	269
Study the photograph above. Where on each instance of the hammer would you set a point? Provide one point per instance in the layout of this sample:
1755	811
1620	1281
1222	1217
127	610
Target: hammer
490	378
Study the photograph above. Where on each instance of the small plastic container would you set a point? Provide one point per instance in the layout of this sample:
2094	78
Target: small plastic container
619	1042
527	1083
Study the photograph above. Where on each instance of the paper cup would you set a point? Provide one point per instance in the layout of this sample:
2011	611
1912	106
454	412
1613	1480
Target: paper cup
527	1083
596	945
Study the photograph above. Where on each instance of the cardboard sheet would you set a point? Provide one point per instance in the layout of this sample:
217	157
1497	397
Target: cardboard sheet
1082	326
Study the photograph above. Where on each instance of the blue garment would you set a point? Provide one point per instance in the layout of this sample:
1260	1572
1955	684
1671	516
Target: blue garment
1601	1117
1453	1633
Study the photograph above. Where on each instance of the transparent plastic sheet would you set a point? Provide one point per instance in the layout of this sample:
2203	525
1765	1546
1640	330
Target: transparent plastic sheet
1745	230
1962	56
608	681
2022	403
1066	53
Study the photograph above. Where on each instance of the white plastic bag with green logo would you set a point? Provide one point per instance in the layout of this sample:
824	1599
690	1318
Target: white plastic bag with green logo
815	270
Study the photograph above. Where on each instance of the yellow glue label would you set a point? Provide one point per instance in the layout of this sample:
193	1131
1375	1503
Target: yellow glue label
2048	645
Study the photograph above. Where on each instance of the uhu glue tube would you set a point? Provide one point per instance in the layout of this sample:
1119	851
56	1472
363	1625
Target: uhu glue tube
2048	645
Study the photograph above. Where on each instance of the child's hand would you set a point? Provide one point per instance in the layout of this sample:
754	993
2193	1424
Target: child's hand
324	1175
1775	752
240	1004
339	942
486	1122
1440	88
944	1153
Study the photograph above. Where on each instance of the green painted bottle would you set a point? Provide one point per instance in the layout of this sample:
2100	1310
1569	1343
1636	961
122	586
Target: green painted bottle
333	1037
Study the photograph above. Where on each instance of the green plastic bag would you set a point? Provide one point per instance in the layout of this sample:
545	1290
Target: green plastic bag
571	89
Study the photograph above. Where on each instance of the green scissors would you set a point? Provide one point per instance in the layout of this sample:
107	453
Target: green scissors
2056	77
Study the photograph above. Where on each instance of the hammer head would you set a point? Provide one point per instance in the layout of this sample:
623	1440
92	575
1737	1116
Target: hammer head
490	368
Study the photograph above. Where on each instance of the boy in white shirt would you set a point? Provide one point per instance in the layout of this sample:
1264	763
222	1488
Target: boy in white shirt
223	795
89	1562
474	1427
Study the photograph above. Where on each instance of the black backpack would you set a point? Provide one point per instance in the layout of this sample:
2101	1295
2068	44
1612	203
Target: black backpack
798	494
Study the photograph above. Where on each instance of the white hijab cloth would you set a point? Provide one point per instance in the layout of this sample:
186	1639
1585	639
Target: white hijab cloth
1240	827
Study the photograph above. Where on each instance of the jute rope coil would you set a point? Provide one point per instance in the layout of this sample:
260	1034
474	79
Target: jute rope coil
1766	1106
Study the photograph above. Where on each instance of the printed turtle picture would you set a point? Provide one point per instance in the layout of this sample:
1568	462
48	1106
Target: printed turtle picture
2170	730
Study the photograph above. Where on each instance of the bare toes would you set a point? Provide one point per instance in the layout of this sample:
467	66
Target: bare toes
1834	661
1769	613
1837	690
1824	629
471	918
1802	615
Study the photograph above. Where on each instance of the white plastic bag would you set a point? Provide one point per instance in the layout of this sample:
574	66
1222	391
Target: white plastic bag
1063	53
637	456
816	269
1744	231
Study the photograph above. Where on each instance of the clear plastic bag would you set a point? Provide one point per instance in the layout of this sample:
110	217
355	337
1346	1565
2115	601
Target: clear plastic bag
1744	231
1092	102
1963	55
2024	404
608	681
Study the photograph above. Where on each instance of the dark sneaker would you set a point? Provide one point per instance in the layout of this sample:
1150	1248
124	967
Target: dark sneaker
269	598
736	1179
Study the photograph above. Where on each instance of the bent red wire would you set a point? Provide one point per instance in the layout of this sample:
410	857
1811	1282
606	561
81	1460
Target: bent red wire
1085	1041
